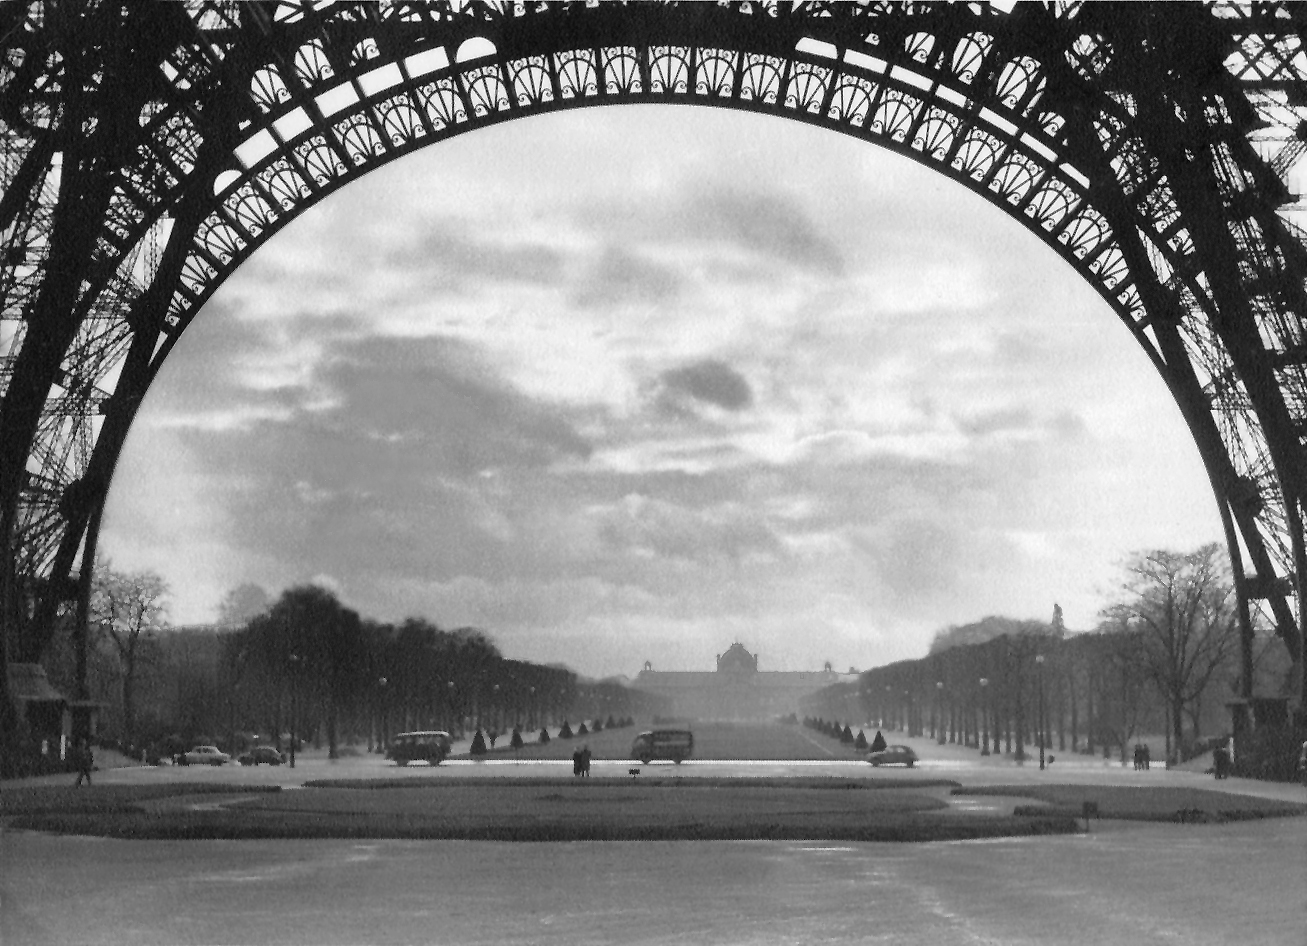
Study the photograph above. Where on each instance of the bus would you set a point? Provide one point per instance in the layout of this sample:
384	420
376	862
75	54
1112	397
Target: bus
674	744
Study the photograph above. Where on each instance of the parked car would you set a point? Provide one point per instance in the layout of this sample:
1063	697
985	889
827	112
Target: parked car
205	755
429	746
894	755
262	754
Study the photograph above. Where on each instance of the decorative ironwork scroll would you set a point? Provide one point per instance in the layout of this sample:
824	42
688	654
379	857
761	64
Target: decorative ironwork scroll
147	150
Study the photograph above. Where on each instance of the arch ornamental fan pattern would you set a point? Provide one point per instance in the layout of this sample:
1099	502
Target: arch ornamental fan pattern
150	149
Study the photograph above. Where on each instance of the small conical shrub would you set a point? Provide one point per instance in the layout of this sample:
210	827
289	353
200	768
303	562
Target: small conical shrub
878	744
846	736
478	744
597	726
516	740
581	730
544	735
861	741
565	732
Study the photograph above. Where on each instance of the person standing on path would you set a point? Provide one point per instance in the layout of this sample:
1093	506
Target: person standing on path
85	762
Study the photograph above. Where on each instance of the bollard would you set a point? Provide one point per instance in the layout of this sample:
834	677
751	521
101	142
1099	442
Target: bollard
1090	810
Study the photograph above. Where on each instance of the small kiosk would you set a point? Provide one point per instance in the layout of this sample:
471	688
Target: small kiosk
50	721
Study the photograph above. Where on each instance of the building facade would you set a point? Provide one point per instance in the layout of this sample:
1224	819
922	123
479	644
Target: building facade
737	689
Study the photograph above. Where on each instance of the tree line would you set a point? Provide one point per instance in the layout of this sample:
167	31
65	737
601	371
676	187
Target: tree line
1163	659
305	667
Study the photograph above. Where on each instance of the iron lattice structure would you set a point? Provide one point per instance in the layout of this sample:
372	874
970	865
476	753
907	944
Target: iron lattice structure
148	149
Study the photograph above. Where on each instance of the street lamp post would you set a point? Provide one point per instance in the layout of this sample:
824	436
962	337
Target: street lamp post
381	714
294	705
984	715
939	694
531	711
1039	663
449	707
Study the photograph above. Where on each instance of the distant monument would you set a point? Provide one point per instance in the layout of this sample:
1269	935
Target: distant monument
737	689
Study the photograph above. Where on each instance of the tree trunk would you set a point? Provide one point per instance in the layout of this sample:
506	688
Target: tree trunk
1177	727
1075	722
331	730
129	705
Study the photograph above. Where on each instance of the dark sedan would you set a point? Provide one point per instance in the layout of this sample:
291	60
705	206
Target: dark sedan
894	755
264	754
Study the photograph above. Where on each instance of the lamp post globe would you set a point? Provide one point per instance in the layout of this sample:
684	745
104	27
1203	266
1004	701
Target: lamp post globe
939	710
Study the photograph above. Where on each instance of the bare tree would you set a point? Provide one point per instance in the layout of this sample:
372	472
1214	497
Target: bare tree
1184	609
1122	683
128	609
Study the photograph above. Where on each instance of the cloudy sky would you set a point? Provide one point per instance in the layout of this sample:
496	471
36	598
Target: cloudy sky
634	383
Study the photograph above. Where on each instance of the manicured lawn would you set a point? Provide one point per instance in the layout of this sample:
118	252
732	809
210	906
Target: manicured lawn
552	810
1144	803
30	800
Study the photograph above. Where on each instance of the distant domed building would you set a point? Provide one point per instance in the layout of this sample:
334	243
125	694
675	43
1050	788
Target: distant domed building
737	689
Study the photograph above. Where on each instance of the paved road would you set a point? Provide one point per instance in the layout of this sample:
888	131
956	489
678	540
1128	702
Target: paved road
1153	884
1120	885
946	762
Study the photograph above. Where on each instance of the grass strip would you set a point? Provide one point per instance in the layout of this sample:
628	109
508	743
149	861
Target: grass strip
731	782
94	799
1142	803
220	825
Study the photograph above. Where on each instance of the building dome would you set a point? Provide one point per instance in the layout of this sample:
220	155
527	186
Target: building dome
737	659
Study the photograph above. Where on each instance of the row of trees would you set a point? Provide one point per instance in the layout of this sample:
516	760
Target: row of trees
305	664
1164	658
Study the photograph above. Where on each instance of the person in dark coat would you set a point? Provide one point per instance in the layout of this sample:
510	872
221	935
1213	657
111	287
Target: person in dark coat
85	763
585	761
576	762
1221	762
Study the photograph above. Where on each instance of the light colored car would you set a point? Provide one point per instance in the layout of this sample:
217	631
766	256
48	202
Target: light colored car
206	755
894	755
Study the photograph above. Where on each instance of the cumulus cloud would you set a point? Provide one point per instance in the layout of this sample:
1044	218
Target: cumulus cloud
707	382
620	276
767	223
449	254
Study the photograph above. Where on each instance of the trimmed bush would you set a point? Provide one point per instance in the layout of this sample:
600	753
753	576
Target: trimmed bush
516	740
478	744
861	741
566	731
846	736
544	736
582	731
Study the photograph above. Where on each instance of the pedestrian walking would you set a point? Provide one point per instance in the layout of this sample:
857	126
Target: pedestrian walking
85	762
